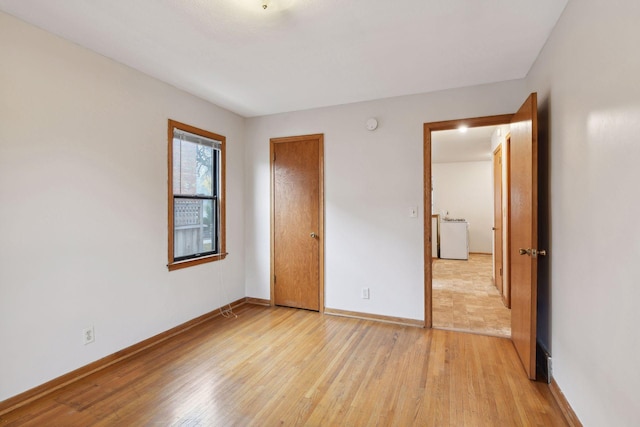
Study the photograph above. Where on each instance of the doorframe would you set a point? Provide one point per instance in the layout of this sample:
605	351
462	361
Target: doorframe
300	139
501	119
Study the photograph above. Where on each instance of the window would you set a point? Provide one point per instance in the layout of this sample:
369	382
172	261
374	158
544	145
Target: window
196	196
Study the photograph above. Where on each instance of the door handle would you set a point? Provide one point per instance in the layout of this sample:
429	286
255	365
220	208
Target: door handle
313	235
533	252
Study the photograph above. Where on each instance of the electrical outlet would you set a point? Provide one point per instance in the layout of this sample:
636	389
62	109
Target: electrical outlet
365	293
88	335
549	370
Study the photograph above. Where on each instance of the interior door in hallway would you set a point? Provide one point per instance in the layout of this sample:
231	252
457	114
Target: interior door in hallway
523	195
297	219
497	220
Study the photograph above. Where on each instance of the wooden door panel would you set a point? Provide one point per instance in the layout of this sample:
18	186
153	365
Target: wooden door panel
524	231
296	222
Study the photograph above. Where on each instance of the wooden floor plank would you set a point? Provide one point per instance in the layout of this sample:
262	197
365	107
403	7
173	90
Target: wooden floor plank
280	366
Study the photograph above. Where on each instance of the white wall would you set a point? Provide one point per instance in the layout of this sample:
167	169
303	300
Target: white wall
465	190
83	212
498	136
371	181
588	82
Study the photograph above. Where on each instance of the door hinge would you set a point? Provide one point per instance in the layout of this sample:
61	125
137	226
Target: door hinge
274	279
274	156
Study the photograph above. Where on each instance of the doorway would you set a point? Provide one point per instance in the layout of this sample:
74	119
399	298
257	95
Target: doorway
466	294
522	227
428	184
297	222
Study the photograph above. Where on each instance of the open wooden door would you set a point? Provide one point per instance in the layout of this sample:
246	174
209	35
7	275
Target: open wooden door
297	222
524	231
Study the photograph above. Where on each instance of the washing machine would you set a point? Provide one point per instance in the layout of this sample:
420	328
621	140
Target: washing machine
454	239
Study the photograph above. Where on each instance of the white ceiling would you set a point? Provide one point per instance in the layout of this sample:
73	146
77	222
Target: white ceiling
300	54
474	145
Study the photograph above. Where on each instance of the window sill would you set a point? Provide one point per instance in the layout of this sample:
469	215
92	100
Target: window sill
196	261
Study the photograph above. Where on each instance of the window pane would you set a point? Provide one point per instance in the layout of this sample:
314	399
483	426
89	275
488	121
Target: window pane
192	168
194	227
176	166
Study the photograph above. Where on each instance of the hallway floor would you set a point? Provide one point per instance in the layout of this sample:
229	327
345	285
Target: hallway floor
465	298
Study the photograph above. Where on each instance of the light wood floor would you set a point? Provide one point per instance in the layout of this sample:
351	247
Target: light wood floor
279	366
465	298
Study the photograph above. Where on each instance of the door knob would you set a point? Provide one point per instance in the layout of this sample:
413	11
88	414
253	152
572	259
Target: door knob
533	252
541	252
313	235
